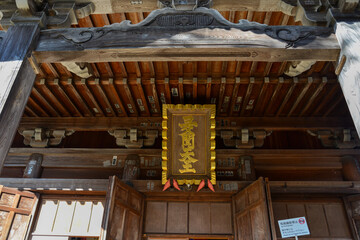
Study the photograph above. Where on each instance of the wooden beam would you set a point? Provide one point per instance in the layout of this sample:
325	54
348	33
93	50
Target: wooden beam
100	186
348	34
110	6
218	40
197	45
17	79
100	159
106	123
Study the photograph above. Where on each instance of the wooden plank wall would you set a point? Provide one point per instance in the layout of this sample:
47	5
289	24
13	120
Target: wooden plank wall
326	217
188	217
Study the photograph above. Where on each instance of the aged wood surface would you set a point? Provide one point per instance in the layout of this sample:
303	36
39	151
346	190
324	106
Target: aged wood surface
348	34
16	212
142	123
197	45
251	213
168	34
123	213
17	78
326	217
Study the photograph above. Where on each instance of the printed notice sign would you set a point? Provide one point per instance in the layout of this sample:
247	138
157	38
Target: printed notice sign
293	227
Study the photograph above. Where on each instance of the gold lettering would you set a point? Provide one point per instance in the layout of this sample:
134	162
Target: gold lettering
188	144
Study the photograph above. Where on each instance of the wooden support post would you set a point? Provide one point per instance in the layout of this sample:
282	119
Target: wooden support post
33	167
17	78
348	35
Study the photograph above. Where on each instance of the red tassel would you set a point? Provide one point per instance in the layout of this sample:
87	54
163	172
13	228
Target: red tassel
176	185
167	185
201	185
210	185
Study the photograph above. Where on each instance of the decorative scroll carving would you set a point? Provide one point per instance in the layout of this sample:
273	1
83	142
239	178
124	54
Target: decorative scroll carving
40	137
177	21
297	67
184	5
133	138
244	138
83	70
345	138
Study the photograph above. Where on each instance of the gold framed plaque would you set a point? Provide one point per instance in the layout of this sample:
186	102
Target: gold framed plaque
188	143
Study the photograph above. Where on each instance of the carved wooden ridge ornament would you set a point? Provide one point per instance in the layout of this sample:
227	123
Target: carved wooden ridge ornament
188	145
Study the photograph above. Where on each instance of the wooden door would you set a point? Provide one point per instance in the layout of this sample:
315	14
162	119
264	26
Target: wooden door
253	219
123	215
352	205
17	209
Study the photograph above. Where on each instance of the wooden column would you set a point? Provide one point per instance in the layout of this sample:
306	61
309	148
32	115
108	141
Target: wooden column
16	80
348	35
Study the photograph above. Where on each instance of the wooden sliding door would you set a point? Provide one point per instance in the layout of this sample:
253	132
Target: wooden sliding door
123	214
17	209
253	213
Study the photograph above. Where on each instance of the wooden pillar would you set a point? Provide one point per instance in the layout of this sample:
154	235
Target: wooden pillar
348	35
16	80
350	168
33	167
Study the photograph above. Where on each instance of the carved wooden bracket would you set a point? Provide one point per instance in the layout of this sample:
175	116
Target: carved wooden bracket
184	5
133	138
244	138
345	138
82	70
40	137
320	12
296	68
57	14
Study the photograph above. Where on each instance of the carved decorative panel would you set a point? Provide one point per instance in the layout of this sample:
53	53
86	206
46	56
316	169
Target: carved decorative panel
188	143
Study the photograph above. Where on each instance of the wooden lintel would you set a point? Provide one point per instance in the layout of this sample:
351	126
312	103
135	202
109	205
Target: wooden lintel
100	186
264	159
159	39
143	123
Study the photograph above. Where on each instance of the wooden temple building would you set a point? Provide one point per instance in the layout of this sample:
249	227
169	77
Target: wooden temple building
179	119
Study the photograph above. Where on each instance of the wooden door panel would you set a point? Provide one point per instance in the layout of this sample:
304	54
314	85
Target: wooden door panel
252	214
199	218
221	218
123	212
177	219
155	220
16	212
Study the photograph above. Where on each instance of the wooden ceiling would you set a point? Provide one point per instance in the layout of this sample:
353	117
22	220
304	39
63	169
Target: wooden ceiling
133	92
130	89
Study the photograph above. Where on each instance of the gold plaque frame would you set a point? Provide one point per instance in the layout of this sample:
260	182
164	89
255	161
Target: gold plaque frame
167	156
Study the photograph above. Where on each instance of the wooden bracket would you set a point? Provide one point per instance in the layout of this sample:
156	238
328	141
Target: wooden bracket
133	138
184	5
82	70
345	138
57	14
40	137
296	68
244	138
